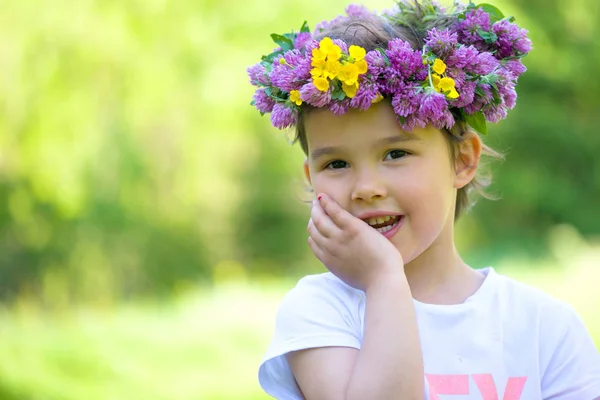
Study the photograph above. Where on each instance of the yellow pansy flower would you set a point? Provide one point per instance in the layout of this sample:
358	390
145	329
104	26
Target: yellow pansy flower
446	84
295	97
377	99
356	52
318	54
435	79
332	68
332	50
350	90
321	83
453	94
439	66
319	67
362	66
348	74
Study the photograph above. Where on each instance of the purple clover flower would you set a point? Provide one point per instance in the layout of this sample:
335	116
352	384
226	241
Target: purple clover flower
467	29
512	40
462	56
302	39
282	77
257	75
358	11
262	101
366	93
283	116
493	112
433	106
406	102
467	94
326	25
515	67
314	97
411	122
376	63
339	107
486	64
405	61
441	42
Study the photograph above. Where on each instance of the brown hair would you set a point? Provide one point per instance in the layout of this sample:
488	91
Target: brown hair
371	32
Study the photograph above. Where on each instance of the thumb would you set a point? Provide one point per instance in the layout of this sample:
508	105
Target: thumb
338	215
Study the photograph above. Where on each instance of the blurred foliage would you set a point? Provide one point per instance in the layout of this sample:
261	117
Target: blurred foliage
131	163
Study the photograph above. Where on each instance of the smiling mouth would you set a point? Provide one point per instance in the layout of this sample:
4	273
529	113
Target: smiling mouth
384	223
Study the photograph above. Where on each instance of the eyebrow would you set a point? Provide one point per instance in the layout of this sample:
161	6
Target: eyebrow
323	151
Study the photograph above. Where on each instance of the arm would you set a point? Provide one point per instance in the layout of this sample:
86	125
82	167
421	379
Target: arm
389	364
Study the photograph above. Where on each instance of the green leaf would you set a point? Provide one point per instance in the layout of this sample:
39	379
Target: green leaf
495	14
269	58
385	57
337	93
304	27
283	42
488	37
477	122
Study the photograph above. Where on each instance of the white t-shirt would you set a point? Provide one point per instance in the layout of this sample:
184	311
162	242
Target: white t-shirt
507	341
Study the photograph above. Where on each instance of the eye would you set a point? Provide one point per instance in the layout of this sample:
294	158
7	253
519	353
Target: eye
395	154
336	164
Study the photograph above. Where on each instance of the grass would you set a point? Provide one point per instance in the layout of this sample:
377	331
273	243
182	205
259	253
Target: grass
206	345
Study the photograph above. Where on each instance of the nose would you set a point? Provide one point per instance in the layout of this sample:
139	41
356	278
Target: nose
368	185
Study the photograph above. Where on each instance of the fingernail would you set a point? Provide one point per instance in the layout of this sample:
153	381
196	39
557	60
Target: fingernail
319	197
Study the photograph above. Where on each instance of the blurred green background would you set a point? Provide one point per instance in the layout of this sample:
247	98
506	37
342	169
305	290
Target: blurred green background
150	219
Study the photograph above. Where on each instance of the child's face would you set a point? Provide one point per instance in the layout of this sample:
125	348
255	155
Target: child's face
365	162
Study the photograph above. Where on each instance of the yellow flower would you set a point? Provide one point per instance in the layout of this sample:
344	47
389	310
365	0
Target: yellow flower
332	50
453	94
350	90
362	66
446	84
295	97
439	66
356	52
348	74
319	67
377	99
317	54
321	83
282	61
435	78
332	68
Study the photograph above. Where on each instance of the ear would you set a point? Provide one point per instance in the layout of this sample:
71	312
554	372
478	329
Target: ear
307	172
467	159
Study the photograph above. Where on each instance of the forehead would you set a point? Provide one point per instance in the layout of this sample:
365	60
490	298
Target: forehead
357	128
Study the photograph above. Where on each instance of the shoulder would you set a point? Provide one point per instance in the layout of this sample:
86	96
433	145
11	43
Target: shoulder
568	359
321	288
321	304
320	311
531	301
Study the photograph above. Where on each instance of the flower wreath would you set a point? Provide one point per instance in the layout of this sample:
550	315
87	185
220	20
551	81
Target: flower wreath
466	71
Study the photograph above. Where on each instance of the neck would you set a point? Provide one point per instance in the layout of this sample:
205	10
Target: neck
440	276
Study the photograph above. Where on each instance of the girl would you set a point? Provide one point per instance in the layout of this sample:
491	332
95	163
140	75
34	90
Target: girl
387	109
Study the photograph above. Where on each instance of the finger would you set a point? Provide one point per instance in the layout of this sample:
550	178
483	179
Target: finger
316	250
322	221
342	218
314	233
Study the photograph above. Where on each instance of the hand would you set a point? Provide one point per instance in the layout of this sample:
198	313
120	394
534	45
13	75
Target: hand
350	248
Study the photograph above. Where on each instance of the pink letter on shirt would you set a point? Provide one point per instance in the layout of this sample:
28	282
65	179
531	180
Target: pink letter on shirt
447	384
487	387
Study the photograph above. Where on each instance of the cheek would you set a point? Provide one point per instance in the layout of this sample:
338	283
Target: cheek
335	187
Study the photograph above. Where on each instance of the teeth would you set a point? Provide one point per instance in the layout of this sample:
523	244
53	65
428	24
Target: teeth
378	220
385	228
